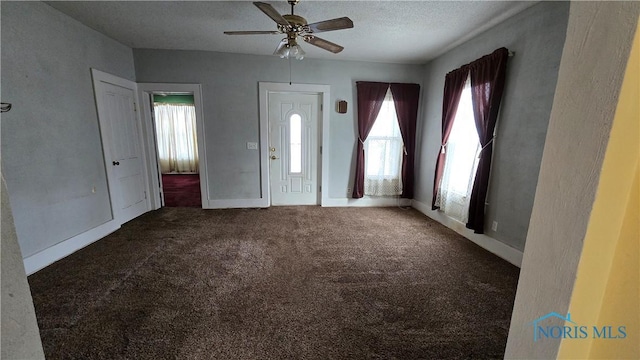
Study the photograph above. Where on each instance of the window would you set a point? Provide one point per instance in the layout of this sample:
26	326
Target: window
295	144
383	153
175	126
462	151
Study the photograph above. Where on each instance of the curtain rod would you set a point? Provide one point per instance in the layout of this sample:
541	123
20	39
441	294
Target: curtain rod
511	53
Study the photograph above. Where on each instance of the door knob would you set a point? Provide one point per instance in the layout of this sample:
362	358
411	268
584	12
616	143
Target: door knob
272	149
273	157
115	163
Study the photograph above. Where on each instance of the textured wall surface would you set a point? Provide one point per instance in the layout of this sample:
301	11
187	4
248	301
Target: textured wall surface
599	37
51	149
536	36
230	99
20	334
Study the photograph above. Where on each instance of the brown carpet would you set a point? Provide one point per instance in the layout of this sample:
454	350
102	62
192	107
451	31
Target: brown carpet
278	283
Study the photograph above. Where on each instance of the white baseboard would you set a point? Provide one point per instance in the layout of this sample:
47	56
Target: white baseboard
326	202
236	204
365	202
512	255
60	250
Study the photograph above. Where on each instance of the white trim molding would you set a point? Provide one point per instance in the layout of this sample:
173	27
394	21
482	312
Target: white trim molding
323	128
234	204
48	256
506	252
367	201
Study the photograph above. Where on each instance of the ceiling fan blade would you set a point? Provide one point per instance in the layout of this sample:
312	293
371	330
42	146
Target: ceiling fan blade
330	25
252	32
271	12
323	44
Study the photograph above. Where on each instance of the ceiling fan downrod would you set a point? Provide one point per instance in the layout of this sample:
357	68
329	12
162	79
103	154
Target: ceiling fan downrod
293	3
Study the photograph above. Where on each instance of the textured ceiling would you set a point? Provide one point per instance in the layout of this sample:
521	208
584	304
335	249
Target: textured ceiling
384	31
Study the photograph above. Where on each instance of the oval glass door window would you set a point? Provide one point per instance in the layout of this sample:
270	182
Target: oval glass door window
295	144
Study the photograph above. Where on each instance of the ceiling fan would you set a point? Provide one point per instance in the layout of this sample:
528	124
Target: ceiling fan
295	26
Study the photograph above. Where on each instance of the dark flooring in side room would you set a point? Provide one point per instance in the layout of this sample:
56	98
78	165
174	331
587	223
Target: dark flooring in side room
181	190
277	283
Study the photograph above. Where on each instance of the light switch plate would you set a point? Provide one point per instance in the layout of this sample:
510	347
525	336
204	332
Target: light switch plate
252	146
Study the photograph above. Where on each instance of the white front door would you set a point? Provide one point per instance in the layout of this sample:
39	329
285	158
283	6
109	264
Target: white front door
293	148
120	132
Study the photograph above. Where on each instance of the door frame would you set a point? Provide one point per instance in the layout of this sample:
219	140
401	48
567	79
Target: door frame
265	88
145	90
103	77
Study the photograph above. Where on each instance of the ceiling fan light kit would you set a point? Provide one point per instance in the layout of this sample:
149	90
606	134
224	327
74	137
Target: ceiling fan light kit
296	27
289	49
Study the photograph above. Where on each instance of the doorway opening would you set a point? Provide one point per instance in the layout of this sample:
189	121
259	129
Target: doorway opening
176	134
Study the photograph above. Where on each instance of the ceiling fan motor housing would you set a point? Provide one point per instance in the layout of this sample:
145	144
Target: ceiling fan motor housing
297	25
295	20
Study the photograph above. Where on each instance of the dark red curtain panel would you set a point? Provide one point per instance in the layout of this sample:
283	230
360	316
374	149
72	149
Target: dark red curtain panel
453	86
406	98
370	98
487	84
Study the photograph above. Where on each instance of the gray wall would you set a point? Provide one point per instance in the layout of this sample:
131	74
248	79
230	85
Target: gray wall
51	150
537	37
230	92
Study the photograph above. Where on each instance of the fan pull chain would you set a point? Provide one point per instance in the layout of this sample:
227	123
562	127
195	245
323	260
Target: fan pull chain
289	70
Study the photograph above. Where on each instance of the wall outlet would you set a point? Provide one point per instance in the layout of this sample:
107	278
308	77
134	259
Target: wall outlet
494	226
252	146
348	191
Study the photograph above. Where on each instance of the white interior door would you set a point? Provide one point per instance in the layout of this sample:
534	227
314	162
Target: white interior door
122	146
293	148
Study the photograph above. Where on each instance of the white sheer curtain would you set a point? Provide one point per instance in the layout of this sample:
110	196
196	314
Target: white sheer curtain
462	160
383	153
176	137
